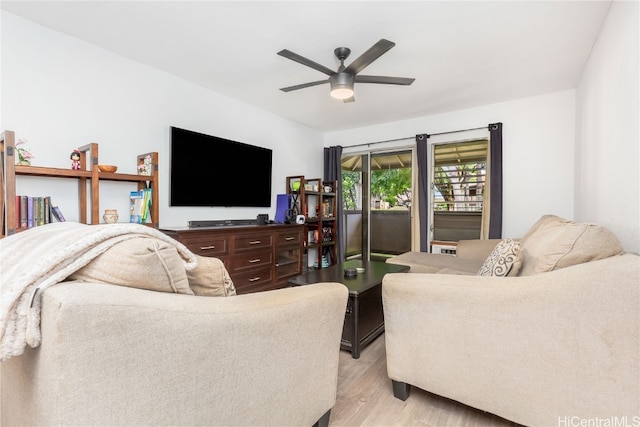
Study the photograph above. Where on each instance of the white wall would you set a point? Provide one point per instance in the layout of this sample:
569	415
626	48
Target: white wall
60	93
538	147
607	149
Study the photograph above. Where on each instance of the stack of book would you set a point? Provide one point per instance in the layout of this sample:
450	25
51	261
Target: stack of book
140	206
33	211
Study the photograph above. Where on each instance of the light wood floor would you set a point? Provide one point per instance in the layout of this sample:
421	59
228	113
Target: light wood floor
365	398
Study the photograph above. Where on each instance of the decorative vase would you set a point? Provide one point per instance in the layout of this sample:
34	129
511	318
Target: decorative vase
110	216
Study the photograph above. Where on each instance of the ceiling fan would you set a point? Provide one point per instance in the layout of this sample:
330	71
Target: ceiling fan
342	81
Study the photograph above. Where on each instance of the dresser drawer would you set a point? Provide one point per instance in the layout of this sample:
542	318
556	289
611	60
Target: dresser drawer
206	245
252	242
250	260
250	281
292	238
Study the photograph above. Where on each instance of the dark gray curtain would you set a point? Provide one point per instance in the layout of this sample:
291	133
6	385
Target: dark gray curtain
423	190
495	180
333	172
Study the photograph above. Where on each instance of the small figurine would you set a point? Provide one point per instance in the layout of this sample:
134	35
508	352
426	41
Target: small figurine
75	160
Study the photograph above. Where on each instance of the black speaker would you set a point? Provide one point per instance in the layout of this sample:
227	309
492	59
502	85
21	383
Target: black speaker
262	219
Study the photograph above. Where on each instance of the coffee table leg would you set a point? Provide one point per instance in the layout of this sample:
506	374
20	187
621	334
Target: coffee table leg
355	342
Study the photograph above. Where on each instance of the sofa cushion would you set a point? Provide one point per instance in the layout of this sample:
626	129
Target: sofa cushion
424	262
541	223
557	243
141	262
210	278
501	260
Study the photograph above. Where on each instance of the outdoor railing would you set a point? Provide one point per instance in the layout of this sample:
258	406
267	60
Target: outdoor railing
390	231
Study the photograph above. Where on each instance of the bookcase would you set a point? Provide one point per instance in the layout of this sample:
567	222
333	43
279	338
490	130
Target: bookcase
88	178
316	200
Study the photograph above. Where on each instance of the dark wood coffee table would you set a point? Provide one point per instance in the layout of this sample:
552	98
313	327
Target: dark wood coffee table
364	320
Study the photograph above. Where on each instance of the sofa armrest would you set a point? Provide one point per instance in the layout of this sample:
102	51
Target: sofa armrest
529	349
113	355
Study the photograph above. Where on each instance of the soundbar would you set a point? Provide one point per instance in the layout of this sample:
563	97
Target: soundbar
221	223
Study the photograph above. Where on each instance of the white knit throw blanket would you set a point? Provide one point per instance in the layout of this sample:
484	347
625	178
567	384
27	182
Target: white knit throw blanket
32	260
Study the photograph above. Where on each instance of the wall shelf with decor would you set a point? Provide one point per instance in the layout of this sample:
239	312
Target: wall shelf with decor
88	176
316	200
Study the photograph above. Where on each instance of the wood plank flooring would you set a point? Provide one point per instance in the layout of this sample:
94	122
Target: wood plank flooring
365	398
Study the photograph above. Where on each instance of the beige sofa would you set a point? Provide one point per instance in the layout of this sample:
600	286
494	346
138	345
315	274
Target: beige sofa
121	355
556	342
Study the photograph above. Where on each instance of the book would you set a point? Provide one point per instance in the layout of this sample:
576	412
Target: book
23	212
146	206
17	223
30	213
57	213
39	217
47	210
135	206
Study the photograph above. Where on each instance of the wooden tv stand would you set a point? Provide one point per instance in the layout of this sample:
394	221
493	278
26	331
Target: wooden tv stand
258	257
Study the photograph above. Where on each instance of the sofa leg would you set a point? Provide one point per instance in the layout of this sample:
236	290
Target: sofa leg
401	390
324	420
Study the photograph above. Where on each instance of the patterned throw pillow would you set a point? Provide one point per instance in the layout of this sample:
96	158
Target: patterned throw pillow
501	259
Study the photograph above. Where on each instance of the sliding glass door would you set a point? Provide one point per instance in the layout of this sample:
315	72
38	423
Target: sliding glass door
378	201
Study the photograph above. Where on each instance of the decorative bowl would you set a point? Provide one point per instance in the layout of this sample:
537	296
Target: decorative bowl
107	168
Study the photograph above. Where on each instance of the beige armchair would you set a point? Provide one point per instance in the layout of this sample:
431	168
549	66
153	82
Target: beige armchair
556	348
114	355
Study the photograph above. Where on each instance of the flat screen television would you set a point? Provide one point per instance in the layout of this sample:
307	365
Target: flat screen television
211	171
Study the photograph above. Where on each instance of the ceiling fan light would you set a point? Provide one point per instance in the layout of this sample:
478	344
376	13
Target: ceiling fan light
342	92
341	85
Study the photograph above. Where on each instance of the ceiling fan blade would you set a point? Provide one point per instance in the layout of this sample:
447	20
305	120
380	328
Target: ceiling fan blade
303	85
369	56
351	99
304	61
384	80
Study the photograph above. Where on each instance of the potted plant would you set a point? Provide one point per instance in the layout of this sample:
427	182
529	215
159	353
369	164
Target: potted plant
24	155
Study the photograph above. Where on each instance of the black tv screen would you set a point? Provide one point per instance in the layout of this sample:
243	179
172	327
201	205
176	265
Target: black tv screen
211	171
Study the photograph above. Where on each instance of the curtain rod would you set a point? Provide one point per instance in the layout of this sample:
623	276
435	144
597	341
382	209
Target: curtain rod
412	137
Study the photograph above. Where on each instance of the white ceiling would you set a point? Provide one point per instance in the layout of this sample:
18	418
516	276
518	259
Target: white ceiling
462	54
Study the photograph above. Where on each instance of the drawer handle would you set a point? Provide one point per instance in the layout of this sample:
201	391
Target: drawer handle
202	248
255	242
253	261
290	238
254	279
